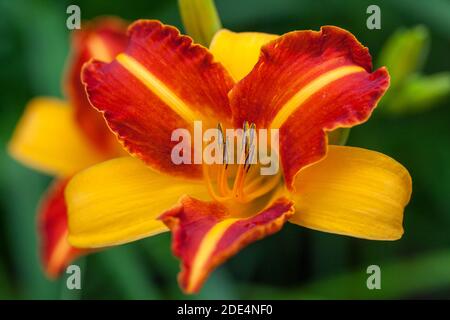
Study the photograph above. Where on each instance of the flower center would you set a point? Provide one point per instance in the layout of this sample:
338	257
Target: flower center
241	182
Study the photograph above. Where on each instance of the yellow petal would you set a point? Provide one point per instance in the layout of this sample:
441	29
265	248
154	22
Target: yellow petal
238	52
118	201
355	192
47	138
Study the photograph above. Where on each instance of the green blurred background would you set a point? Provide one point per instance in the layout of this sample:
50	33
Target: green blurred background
412	125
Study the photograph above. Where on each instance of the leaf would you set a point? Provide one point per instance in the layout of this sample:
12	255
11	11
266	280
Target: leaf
420	93
23	189
127	270
399	279
404	53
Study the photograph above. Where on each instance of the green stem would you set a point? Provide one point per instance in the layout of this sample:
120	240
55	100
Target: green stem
200	19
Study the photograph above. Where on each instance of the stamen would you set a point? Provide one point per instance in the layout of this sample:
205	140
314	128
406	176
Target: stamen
250	195
244	163
222	180
239	182
210	185
222	141
245	137
225	152
251	147
239	192
250	158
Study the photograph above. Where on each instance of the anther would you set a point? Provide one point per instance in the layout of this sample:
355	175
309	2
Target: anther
250	147
223	142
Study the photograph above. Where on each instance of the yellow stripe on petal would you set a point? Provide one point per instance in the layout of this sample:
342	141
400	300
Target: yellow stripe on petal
206	234
157	87
309	90
47	138
160	83
306	83
205	251
355	192
238	52
119	200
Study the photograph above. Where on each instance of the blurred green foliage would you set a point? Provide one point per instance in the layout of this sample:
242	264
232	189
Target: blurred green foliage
294	263
404	54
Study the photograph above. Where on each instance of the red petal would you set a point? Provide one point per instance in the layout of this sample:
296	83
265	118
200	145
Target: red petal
161	83
305	83
205	235
102	39
56	252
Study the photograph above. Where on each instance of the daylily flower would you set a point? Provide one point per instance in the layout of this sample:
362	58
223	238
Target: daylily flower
60	138
305	83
